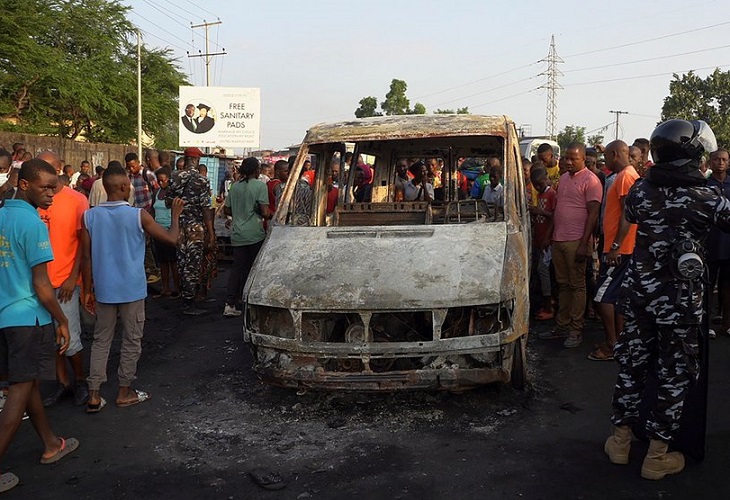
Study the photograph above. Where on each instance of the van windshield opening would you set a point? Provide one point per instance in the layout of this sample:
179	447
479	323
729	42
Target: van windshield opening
413	182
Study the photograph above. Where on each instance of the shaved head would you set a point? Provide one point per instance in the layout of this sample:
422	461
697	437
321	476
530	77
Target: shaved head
52	158
617	155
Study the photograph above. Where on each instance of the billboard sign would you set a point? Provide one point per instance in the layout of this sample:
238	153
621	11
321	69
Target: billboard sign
220	116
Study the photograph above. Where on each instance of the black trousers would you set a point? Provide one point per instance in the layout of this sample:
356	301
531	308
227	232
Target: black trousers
243	257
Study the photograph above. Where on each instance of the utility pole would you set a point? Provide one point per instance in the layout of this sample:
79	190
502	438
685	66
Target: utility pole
208	54
552	73
617	113
139	95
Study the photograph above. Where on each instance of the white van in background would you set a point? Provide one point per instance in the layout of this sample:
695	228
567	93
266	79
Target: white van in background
529	145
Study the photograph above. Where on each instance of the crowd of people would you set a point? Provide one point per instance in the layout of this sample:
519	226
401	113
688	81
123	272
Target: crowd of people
62	237
653	226
63	233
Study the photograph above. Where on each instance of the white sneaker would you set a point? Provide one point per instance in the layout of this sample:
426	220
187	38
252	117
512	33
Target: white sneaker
231	311
711	333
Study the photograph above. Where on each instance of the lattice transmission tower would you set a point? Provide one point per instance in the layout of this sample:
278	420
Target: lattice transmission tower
552	73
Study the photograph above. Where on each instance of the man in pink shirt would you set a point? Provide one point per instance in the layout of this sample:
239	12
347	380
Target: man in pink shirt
576	213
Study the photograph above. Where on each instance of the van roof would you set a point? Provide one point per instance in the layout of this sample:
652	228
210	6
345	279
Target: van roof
408	127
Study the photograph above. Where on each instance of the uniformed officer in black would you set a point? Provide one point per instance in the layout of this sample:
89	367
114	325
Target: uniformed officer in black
662	292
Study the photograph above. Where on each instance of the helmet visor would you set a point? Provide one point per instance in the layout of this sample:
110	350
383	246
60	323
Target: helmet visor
704	136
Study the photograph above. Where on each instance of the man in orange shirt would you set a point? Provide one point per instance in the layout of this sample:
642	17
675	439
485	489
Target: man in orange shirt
618	245
63	219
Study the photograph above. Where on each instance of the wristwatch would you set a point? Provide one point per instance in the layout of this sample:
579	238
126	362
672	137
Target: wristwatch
615	246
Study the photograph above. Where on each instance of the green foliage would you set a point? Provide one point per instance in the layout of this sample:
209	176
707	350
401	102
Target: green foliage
459	111
694	98
396	103
69	68
594	140
368	107
571	133
418	109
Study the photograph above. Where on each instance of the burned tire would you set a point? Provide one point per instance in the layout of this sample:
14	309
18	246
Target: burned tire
518	375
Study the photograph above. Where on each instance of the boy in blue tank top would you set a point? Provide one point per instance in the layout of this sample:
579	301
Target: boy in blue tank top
113	233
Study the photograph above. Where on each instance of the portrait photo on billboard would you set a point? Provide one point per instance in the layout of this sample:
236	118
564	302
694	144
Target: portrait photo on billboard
198	118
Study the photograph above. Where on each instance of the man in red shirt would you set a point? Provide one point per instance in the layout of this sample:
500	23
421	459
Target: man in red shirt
276	185
542	223
576	214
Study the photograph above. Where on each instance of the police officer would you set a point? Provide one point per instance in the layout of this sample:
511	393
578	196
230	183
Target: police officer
662	292
196	221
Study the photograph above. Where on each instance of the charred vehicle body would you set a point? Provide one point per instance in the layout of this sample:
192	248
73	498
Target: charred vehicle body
389	294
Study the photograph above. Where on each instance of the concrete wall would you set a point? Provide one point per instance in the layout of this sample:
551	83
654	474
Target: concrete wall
72	152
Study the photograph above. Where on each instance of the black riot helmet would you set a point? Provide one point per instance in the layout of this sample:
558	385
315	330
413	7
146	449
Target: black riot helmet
675	140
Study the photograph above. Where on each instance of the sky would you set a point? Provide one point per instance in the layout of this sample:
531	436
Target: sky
314	60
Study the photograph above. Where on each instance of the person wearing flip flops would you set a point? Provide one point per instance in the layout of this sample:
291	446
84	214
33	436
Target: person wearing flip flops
575	217
618	245
63	219
113	235
28	306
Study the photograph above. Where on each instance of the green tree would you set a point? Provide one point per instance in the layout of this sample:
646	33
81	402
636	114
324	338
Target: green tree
459	111
396	102
694	98
69	69
368	107
571	133
418	109
594	140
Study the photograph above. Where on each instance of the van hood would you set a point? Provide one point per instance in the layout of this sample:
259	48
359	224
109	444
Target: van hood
379	267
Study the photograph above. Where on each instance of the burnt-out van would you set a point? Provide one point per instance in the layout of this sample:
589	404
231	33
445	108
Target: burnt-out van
359	286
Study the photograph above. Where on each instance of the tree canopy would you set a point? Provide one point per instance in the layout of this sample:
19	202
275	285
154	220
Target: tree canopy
571	133
694	98
396	103
68	68
459	111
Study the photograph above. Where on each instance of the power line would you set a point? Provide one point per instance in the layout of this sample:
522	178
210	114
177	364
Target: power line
505	98
165	13
646	76
147	33
629	44
475	81
194	14
648	59
483	92
171	34
198	6
160	7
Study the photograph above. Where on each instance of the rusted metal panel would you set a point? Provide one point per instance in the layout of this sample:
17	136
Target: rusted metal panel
379	267
445	379
407	127
462	345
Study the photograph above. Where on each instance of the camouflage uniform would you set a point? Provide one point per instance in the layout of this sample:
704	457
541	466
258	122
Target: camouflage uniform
194	189
663	313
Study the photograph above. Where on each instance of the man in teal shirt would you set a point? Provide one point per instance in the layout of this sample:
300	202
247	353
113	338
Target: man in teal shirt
28	306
